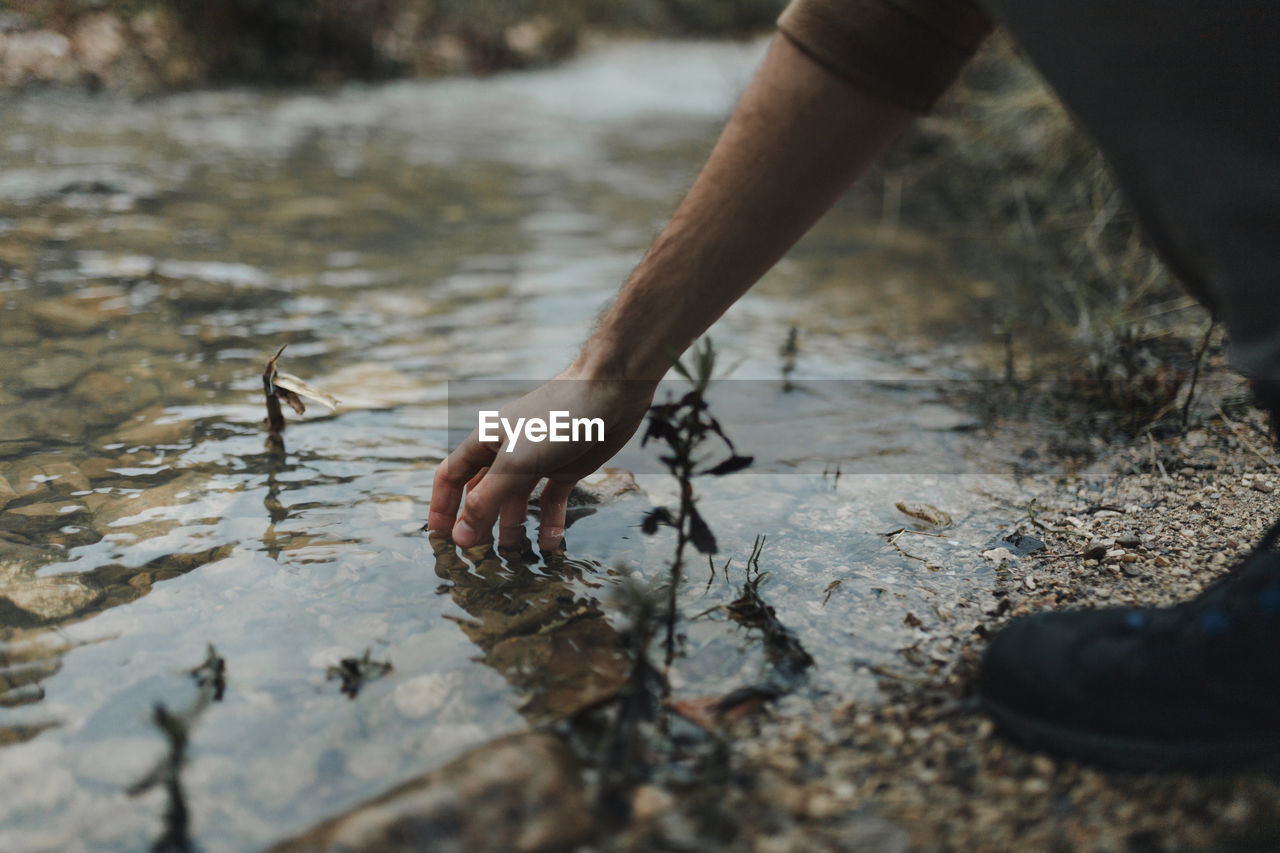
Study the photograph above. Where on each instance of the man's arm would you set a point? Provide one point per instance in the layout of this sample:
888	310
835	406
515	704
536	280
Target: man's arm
798	138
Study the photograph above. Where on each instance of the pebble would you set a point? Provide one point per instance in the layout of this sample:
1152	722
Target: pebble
650	801
1097	549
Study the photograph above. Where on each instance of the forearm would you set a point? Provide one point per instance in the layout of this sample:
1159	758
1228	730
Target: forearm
796	141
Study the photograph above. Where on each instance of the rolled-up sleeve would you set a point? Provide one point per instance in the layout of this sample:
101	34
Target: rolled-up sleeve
905	51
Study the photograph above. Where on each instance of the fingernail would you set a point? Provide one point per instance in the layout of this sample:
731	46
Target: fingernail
463	534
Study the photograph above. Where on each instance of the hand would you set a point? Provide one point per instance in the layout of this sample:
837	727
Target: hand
498	482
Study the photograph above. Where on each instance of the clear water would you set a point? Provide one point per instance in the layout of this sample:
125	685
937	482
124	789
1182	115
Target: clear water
154	254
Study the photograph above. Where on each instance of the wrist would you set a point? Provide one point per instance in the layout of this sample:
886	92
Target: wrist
606	358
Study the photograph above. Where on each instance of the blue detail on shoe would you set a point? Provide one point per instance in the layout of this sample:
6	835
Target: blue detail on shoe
1269	599
1135	620
1214	622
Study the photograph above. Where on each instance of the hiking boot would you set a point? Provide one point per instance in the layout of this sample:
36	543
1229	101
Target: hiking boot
1196	686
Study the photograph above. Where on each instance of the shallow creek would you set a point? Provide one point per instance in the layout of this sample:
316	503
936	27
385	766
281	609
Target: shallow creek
404	240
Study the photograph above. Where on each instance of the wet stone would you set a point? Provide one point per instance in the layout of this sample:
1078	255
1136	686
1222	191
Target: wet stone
149	428
48	511
109	398
66	317
54	373
518	793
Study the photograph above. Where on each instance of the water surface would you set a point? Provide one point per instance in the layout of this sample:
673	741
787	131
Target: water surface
398	238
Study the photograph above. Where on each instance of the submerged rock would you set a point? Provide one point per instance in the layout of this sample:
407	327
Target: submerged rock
518	793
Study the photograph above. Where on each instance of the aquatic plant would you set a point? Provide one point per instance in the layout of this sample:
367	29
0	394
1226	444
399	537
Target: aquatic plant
278	385
684	426
781	647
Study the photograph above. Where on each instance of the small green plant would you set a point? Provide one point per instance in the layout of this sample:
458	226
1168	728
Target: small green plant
685	426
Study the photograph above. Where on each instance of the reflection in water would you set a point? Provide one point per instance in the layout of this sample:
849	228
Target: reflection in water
553	644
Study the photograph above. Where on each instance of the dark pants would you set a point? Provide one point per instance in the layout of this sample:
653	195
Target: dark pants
1183	98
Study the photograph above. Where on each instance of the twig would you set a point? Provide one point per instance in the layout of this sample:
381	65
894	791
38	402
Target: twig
1195	373
1240	435
1155	458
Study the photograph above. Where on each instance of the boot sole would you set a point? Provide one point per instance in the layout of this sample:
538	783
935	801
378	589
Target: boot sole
1136	754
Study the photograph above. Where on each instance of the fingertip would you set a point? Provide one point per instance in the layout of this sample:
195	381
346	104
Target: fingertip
439	522
464	535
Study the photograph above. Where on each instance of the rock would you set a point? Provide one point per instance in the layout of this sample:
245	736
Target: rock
1096	549
97	41
7	493
53	373
67	317
185	488
1019	544
47	511
109	397
649	802
48	598
37	55
1129	540
518	793
540	39
604	486
151	427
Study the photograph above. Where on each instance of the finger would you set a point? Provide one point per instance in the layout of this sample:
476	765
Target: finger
450	481
512	515
475	481
555	505
484	502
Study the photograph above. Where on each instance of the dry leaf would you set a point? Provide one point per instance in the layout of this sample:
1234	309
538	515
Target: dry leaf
289	382
930	515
